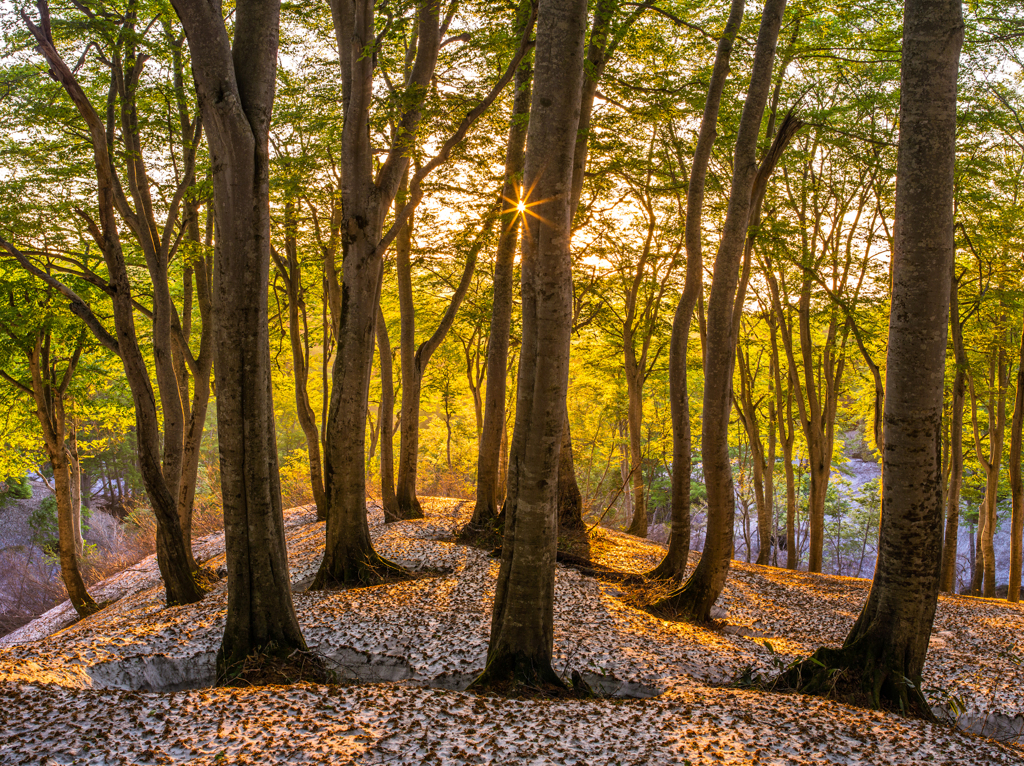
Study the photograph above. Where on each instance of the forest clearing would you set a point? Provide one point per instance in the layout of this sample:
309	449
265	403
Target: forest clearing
145	671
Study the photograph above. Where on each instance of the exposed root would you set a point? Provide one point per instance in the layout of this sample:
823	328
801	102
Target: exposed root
370	569
487	536
272	668
206	578
88	609
682	604
667	571
517	676
857	677
597	571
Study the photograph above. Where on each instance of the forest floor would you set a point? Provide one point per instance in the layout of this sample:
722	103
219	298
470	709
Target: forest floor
130	684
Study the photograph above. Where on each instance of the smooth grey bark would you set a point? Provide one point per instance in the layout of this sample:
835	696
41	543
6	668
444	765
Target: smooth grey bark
488	475
674	563
522	622
695	598
885	651
235	85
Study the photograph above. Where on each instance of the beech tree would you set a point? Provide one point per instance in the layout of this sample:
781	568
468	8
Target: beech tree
164	467
235	81
51	354
696	597
416	357
290	269
884	654
488	479
522	621
674	563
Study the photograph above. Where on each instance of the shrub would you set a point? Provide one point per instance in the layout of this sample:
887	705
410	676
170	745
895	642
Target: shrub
19	489
295	488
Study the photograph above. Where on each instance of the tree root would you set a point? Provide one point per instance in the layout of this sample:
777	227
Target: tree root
272	666
486	536
856	676
666	570
683	604
370	569
516	675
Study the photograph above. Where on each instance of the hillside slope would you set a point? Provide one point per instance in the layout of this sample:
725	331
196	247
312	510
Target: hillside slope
125	686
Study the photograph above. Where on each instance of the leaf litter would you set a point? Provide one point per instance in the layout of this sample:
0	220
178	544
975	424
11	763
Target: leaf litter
73	693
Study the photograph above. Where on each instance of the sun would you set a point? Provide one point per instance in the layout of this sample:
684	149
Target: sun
521	207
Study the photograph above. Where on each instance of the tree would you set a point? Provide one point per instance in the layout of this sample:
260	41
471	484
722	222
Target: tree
290	269
522	621
415	359
235	83
162	469
488	478
696	597
674	564
884	654
366	198
47	384
983	581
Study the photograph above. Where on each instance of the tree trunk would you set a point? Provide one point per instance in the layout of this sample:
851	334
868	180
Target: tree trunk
291	272
387	421
416	358
885	652
349	556
408	453
700	592
748	415
570	501
674	563
160	473
488	473
235	86
634	418
522	623
947	579
75	471
48	390
817	400
412	375
983	581
1016	485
